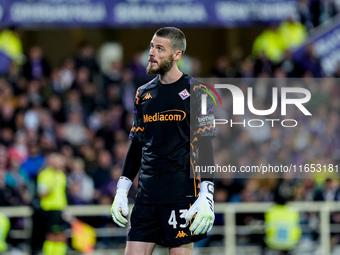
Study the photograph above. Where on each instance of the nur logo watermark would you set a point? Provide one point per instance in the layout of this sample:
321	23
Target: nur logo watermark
238	104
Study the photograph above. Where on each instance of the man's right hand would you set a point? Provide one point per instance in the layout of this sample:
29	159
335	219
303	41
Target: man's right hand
119	208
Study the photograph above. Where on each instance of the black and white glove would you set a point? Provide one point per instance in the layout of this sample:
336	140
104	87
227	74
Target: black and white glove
204	210
119	208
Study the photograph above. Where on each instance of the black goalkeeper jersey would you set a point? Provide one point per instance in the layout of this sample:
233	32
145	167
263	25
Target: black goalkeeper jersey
162	124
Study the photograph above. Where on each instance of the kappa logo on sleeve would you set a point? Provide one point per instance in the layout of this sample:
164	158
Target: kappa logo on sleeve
147	96
184	94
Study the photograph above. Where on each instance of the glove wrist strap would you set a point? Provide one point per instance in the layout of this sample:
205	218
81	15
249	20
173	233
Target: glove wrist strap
124	183
207	187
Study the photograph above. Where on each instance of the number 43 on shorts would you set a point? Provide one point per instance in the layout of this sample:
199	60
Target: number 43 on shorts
173	222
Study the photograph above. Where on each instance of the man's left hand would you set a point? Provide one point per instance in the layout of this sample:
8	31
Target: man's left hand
204	210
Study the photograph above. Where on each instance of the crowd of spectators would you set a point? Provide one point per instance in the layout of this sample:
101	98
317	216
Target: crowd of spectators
46	109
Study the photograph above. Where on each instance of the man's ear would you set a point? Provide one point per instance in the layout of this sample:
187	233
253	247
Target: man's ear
177	54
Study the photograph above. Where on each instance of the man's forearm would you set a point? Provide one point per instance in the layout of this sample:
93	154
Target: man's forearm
206	155
132	161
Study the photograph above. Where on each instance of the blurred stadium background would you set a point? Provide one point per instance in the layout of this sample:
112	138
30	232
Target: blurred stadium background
69	71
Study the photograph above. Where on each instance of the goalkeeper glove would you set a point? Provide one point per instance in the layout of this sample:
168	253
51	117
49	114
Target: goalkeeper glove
119	207
204	207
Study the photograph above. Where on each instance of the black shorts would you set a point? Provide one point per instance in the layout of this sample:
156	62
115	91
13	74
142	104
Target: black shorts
163	224
54	222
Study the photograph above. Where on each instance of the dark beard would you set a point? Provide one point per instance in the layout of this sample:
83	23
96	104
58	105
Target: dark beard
164	67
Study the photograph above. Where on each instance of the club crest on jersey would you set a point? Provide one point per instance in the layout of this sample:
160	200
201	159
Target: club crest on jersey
184	94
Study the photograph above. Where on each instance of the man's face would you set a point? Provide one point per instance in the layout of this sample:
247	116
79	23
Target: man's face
161	58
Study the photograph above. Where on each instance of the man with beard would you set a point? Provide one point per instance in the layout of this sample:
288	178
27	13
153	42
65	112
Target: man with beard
168	197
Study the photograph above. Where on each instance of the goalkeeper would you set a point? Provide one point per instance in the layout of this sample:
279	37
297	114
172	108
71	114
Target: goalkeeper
172	208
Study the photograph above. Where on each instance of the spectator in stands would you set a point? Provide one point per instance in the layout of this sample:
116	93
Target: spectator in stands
221	68
11	52
80	185
110	57
114	74
55	82
34	162
102	176
74	129
288	65
3	157
113	95
309	62
7	91
271	42
86	58
67	75
19	144
47	142
33	114
6	134
36	66
8	195
117	116
88	99
82	78
246	69
106	131
237	55
128	90
137	67
6	139
263	66
293	32
327	192
7	115
15	178
73	102
55	106
109	189
89	156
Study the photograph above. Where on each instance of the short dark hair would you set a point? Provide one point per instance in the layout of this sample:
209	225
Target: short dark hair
176	36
